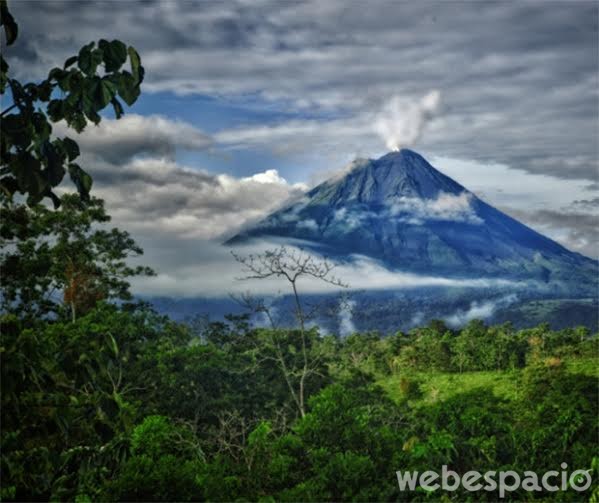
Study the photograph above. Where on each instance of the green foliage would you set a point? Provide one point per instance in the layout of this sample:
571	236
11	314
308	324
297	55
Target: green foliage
33	162
65	252
164	463
70	395
125	405
364	352
477	347
559	422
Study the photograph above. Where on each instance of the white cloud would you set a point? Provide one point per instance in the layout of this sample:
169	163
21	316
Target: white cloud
204	268
444	207
175	201
132	162
417	319
309	224
352	219
416	210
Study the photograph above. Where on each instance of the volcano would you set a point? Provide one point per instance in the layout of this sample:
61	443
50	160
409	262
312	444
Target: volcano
403	212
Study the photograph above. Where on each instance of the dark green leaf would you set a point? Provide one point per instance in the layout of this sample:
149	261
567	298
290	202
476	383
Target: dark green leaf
65	82
8	185
72	60
41	125
28	174
71	148
77	121
31	90
81	179
57	74
87	62
96	59
118	108
18	129
135	64
17	90
74	80
115	54
87	102
56	110
3	74
54	174
53	158
11	29
44	91
72	99
128	90
105	91
13	123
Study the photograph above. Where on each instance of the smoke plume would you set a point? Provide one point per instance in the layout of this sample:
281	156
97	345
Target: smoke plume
480	310
346	324
401	122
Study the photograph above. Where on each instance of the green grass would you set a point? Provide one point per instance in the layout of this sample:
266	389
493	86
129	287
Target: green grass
437	386
588	365
441	385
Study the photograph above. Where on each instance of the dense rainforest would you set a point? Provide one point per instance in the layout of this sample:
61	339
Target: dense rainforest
122	404
105	400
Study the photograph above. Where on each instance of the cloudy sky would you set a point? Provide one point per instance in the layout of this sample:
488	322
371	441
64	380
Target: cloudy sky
246	104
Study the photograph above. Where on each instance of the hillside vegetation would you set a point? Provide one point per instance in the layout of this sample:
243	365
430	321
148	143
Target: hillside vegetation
122	404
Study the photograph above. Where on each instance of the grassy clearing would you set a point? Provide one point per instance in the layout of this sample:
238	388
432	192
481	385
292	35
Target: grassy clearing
437	386
583	365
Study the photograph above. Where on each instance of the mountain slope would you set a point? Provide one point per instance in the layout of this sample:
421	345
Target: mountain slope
400	210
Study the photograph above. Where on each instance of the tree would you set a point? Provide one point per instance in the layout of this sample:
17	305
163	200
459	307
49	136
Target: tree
164	464
32	161
71	394
291	266
56	259
469	347
346	448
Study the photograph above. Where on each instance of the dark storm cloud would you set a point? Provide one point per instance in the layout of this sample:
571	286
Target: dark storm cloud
586	204
519	81
579	229
118	141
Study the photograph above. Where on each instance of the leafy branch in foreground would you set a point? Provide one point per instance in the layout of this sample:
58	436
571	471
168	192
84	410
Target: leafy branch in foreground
32	161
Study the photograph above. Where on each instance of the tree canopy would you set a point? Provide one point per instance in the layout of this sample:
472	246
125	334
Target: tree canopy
60	261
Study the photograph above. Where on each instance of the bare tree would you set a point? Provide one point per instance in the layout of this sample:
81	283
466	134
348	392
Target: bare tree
256	305
290	265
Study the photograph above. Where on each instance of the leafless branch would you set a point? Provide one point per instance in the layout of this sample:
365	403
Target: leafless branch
291	264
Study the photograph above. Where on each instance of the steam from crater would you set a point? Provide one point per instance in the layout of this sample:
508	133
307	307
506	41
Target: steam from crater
401	121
